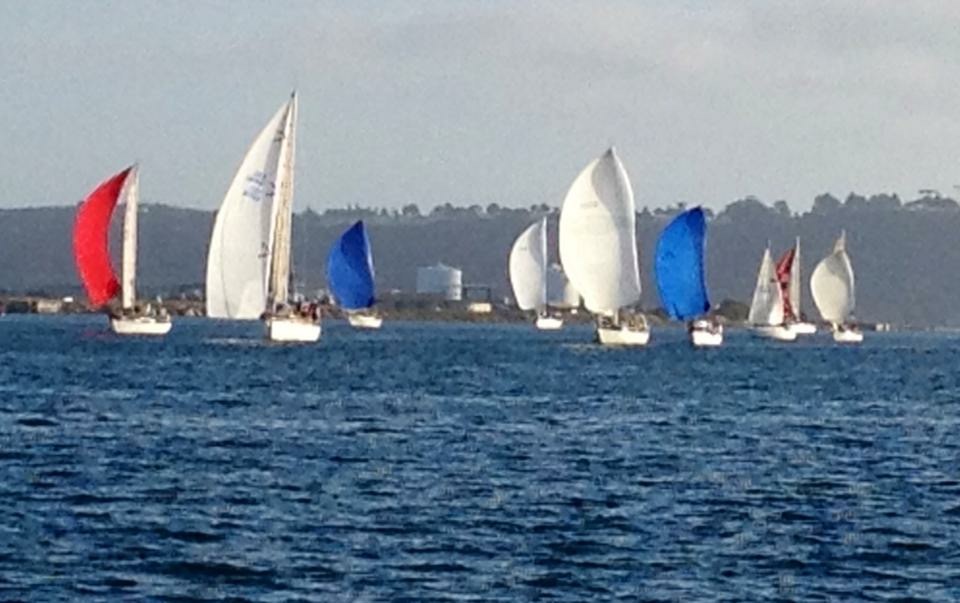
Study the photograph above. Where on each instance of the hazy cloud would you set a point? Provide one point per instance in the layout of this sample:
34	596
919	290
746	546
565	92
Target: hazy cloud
477	102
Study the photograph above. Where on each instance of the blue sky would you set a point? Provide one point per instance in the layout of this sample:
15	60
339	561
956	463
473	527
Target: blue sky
479	102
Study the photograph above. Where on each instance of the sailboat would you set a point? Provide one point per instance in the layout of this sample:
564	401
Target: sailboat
350	277
598	249
528	274
678	264
832	285
788	275
766	315
248	265
90	250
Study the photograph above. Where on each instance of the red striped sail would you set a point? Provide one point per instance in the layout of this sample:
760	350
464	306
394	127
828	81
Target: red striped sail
90	240
784	266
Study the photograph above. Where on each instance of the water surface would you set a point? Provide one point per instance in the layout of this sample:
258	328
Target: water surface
437	462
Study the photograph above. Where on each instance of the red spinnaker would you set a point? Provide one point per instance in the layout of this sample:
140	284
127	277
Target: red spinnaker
90	240
784	266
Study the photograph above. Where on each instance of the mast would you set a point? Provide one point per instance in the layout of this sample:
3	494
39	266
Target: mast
129	267
278	284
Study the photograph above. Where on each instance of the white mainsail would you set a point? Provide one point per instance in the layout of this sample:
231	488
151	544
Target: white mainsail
766	309
129	263
598	247
528	267
794	286
560	293
239	255
832	284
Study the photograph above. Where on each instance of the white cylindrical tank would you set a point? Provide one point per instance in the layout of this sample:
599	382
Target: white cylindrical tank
560	293
441	280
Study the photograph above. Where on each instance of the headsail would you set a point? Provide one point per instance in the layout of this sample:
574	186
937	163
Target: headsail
679	266
528	267
91	240
560	292
350	274
832	284
239	255
788	277
767	305
598	246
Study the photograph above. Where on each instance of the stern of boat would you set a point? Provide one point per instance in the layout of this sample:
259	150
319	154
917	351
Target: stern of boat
141	325
292	329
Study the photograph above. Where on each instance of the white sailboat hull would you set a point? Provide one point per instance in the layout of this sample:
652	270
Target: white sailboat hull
292	330
623	336
848	335
549	323
141	325
803	328
776	332
703	334
365	321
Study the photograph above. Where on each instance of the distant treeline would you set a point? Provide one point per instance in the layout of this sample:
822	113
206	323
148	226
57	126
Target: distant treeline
825	204
905	253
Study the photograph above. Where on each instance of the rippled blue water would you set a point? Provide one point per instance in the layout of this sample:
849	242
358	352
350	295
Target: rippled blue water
466	462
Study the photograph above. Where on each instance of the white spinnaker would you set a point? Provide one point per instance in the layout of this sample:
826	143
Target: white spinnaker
795	281
128	279
832	284
528	265
560	292
598	247
281	222
767	305
239	254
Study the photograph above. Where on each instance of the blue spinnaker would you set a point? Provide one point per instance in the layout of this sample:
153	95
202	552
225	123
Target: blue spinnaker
679	266
350	269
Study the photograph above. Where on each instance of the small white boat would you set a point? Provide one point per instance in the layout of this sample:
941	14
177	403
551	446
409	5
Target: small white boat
767	307
90	239
803	328
598	249
360	320
833	288
706	334
848	334
776	332
549	323
623	333
140	325
290	329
